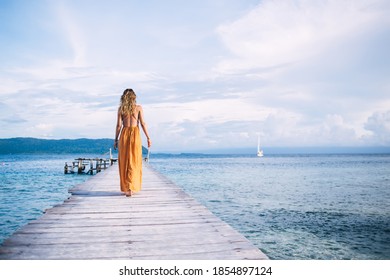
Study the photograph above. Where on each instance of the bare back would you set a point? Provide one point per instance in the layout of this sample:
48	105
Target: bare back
131	120
127	120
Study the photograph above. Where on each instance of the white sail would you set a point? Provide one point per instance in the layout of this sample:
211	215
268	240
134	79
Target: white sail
259	151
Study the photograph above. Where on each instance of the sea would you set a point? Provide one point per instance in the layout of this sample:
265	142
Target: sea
291	206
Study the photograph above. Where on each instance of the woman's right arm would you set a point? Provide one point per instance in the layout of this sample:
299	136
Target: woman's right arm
118	129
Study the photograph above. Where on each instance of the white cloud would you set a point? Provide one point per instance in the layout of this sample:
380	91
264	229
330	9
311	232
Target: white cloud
284	31
208	122
379	125
72	30
42	130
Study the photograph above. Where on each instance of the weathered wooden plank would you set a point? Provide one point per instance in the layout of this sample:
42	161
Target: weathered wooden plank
98	222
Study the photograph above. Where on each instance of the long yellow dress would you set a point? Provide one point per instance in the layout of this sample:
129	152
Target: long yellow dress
130	159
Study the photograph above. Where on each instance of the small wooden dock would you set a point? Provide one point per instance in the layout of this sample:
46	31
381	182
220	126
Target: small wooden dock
98	222
79	165
89	165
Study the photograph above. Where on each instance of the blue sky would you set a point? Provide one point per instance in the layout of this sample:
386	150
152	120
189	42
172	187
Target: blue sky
209	74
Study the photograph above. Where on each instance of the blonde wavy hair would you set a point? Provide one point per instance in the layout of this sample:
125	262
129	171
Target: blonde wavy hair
128	102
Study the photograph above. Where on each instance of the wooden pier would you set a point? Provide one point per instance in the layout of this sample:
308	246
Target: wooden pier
88	165
98	222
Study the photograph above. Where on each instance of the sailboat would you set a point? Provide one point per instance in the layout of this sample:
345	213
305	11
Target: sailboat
259	151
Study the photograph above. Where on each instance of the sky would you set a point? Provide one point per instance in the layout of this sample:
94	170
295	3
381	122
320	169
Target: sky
209	74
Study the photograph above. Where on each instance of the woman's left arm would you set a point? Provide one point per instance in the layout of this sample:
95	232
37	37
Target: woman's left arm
143	125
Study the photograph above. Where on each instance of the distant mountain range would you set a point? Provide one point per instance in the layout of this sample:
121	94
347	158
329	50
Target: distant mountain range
22	145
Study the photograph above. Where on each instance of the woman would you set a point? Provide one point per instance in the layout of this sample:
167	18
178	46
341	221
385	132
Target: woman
130	145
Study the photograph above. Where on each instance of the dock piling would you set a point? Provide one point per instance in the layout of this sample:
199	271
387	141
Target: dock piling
81	163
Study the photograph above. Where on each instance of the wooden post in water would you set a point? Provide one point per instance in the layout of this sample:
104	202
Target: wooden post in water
79	167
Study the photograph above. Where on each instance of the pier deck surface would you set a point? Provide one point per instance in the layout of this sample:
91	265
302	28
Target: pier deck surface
98	222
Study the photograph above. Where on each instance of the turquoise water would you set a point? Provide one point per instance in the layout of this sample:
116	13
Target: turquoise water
29	184
290	206
295	206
